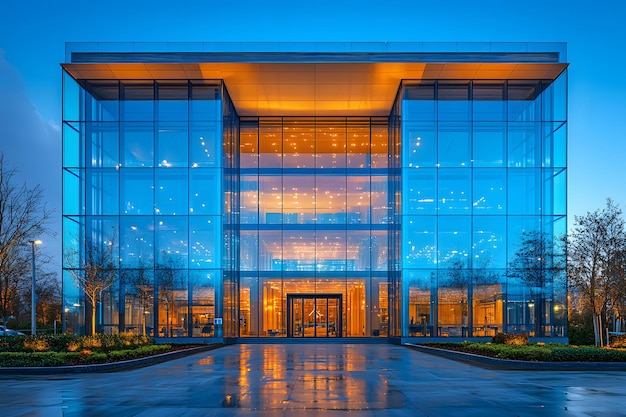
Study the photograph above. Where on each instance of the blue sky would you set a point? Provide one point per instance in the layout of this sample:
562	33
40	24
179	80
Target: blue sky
33	36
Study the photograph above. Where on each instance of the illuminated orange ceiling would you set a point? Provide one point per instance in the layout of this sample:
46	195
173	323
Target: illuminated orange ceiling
302	89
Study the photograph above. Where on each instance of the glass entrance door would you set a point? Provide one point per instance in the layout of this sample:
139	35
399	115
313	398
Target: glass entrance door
314	315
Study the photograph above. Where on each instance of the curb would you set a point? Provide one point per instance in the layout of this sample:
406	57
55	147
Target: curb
106	367
509	364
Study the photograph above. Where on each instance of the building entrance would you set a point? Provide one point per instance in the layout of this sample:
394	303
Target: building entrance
314	315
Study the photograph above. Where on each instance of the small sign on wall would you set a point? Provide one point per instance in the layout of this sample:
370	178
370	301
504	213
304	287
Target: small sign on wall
217	320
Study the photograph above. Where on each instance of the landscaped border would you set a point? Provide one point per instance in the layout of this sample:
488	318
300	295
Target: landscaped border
107	367
496	363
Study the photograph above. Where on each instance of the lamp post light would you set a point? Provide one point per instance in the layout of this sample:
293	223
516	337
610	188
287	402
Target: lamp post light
33	299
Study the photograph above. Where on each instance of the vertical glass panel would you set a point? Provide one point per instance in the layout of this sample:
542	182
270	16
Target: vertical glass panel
271	143
452	298
172	101
378	250
358	200
137	241
554	99
171	191
554	192
379	144
419	193
71	238
330	199
172	239
137	143
103	144
419	246
454	144
454	192
516	226
136	191
202	289
298	142
330	143
137	101
298	251
72	93
249	306
172	300
379	200
489	242
523	103
249	147
270	199
330	250
454	241
72	149
418	102
249	199
102	100
172	145
358	145
524	145
453	101
205	144
419	144
138	293
524	191
206	103
488	101
103	230
102	191
205	191
358	250
555	145
205	242
249	250
271	250
489	144
298	199
489	191
421	311
73	191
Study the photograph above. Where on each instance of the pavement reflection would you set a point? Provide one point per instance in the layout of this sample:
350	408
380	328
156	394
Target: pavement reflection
308	379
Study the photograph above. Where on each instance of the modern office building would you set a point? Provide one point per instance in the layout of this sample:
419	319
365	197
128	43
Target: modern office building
322	190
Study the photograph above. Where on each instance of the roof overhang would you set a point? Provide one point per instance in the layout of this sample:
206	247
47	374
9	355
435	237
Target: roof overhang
311	87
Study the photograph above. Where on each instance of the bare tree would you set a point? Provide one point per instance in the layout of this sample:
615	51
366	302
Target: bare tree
23	217
95	272
595	263
536	263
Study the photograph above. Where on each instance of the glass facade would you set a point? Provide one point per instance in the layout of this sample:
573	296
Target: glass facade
480	167
406	225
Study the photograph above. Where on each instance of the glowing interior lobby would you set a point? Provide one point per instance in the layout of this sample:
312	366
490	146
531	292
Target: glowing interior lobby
322	190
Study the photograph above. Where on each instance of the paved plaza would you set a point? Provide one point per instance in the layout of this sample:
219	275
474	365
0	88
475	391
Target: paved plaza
308	379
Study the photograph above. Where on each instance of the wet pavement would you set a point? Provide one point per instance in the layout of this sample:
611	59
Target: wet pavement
306	380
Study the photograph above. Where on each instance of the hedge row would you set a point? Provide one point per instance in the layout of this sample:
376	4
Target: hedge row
545	353
83	357
100	343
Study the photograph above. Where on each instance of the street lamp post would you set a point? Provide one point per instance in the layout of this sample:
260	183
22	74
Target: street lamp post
33	298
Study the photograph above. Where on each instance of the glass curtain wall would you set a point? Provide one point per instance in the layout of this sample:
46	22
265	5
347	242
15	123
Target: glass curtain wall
147	167
314	220
483	182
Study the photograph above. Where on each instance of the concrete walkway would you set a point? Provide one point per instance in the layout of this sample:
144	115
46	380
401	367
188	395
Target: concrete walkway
306	380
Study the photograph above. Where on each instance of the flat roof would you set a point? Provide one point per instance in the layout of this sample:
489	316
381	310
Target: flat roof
314	79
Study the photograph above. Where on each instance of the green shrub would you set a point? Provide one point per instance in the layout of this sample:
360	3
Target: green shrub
511	339
581	334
